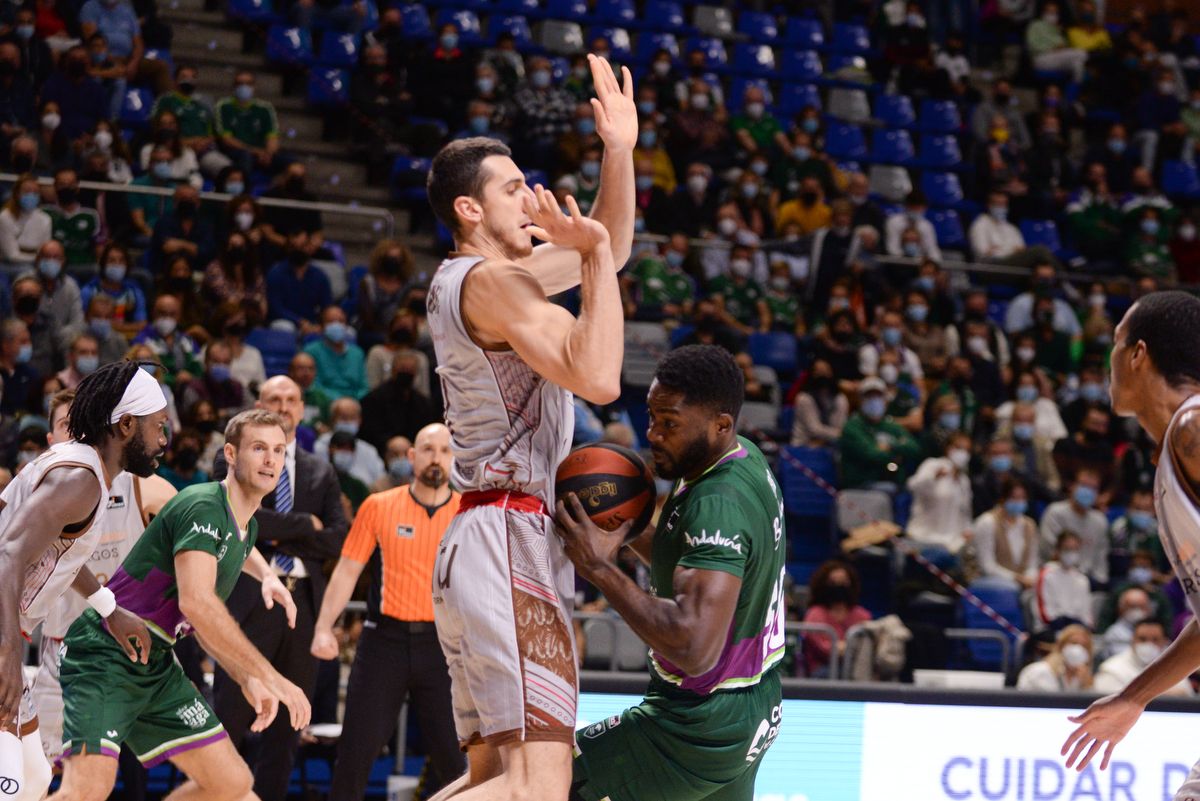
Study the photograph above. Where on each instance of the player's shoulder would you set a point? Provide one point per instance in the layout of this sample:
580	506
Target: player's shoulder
198	499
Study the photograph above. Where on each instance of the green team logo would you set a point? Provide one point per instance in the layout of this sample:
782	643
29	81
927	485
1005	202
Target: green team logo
598	728
194	715
207	528
704	538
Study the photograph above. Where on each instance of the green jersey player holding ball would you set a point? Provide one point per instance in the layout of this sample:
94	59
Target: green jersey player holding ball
714	618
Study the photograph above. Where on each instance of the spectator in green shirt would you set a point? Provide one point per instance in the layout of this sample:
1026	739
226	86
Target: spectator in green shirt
1146	252
341	365
74	225
248	129
196	127
782	303
738	293
657	288
876	452
146	209
756	129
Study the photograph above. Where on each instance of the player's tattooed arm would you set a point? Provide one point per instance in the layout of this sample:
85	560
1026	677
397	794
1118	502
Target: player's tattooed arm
1185	444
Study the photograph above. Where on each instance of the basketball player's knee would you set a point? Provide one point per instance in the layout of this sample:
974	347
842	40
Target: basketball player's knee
234	784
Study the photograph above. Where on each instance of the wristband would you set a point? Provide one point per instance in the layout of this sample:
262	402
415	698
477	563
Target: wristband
103	601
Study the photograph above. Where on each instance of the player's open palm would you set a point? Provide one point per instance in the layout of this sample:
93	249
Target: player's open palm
572	230
613	106
1104	724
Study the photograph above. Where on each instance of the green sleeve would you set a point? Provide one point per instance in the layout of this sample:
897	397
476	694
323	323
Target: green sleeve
856	439
714	534
199	524
906	445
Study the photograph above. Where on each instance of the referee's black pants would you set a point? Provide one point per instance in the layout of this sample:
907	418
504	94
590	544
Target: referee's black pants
396	661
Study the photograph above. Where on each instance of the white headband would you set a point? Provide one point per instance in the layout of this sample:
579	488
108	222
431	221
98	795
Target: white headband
142	396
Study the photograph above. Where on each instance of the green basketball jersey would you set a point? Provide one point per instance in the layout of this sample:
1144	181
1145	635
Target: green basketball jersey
729	519
658	285
741	300
197	519
77	232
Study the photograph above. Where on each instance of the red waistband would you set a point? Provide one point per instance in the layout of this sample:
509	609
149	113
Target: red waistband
508	499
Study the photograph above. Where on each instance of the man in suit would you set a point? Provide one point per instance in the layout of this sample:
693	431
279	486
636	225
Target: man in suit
300	524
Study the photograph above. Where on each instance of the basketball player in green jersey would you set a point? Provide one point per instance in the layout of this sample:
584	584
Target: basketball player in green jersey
714	618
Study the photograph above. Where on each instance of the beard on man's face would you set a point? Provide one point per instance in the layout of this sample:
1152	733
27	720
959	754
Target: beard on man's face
434	477
691	457
137	460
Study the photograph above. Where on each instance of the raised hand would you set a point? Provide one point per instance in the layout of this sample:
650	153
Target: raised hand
551	225
616	113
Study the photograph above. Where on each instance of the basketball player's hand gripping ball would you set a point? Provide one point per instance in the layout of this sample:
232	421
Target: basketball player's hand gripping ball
613	106
573	231
587	545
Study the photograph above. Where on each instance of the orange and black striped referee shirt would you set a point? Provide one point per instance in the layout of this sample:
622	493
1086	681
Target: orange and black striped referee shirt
400	537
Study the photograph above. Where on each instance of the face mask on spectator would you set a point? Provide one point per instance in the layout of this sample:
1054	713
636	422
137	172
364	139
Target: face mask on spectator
912	249
25	353
950	420
219	372
1143	521
244	92
780	283
644	182
740	268
1069	559
647	139
727	226
1116	145
449	41
540	78
811	125
917	312
161	170
479	124
165	325
697	184
485	85
103	139
890	374
101	327
874	407
349	426
114	272
1167	87
1016	507
999	213
1146	652
1134	616
977	345
86	365
585	127
675	258
1150	227
1001	463
342	460
700	101
1097	300
25	31
29	201
400	469
801	153
337	331
1187	232
661	68
590	169
1026	354
244	220
1050	17
1091	391
51	121
49	268
1141	575
1023	432
1075	655
891	336
750	190
1085	496
838	303
960	457
755	110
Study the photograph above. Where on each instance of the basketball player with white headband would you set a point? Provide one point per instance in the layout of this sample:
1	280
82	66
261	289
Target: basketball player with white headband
1156	378
50	518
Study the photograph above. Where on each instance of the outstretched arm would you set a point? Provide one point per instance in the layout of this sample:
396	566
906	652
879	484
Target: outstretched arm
557	268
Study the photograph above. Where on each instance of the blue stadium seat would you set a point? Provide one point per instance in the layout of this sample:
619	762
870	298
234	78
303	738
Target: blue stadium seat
469	32
940	152
939	116
650	43
1041	232
665	16
560	68
258	11
528	8
570	10
948	228
328	86
713	49
758	25
805	34
288	45
734	99
135	108
753	59
1004	599
277	348
514	24
535	177
338	50
615	12
619	42
776	350
942	189
895	111
371	18
845	141
849	37
839	61
414	23
1180	179
795	97
801	65
408	179
892	147
802	496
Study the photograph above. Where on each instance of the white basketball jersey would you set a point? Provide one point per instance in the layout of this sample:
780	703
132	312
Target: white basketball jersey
121	527
51	574
510	428
1179	515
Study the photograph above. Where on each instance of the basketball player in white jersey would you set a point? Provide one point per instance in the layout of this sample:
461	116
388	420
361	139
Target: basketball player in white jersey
132	502
509	361
1156	378
51	517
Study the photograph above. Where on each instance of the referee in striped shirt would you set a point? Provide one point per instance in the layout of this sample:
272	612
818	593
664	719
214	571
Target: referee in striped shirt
397	532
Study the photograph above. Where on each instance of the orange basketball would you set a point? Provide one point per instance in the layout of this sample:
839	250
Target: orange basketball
612	483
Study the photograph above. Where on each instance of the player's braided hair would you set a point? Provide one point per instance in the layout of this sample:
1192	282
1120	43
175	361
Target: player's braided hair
706	375
96	397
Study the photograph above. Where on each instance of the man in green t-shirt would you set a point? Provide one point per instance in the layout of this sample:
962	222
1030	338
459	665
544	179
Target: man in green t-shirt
177	579
196	126
876	451
248	129
714	616
74	225
658	288
739	293
755	129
